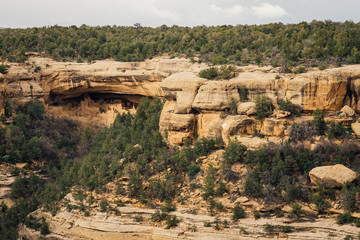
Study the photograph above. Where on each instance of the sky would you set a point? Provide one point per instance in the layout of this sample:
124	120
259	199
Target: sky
153	13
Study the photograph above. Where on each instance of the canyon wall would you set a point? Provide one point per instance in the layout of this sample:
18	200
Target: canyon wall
195	107
88	93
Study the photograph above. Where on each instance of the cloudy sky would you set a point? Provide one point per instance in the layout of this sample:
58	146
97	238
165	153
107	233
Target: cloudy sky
25	13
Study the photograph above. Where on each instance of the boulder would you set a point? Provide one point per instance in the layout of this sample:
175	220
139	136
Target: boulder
356	128
175	127
215	96
273	127
237	126
246	108
332	176
215	130
281	114
347	111
181	122
181	87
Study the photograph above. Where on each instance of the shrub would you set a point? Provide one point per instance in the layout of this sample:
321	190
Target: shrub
286	105
193	170
292	193
139	218
348	198
135	185
168	207
322	66
209	185
221	189
103	205
210	73
37	69
286	229
345	218
301	69
301	132
232	106
238	212
171	221
234	153
319	201
264	107
4	68
296	212
269	229
252	186
336	131
219	59
44	228
158	216
227	72
8	108
207	224
243	92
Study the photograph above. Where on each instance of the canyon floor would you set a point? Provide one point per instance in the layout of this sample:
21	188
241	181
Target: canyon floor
65	225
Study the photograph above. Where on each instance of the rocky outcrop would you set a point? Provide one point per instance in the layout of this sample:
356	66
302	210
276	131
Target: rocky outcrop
182	88
94	92
347	111
215	96
176	128
97	92
330	90
332	176
274	127
246	108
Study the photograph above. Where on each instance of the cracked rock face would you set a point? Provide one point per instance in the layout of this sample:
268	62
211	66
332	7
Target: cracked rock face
96	93
208	100
92	92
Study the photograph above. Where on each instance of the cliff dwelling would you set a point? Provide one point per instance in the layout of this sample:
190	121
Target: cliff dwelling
101	107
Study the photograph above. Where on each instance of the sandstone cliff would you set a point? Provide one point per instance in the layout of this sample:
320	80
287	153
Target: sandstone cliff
328	90
88	92
195	106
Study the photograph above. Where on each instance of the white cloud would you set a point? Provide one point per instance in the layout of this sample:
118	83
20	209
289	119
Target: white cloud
235	10
25	13
269	11
165	14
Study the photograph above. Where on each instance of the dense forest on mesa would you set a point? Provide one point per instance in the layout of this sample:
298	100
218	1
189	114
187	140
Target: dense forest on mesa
276	44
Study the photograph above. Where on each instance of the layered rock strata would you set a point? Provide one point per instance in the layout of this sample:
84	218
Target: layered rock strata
195	107
334	90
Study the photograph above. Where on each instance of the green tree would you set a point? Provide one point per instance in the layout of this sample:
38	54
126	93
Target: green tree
264	107
319	122
8	108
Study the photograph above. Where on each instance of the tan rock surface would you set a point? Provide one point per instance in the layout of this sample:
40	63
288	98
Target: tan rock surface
274	127
332	176
247	108
182	87
356	128
204	121
347	111
215	96
90	92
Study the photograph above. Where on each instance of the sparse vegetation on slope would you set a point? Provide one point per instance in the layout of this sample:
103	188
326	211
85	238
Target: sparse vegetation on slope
132	148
